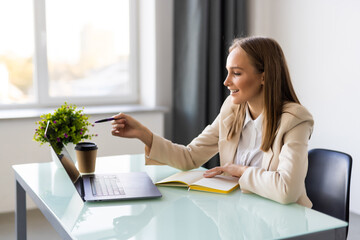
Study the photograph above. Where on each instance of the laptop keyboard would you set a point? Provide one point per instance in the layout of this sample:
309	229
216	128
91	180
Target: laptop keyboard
106	186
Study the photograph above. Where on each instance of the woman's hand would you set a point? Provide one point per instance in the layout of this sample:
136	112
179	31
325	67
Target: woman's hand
230	168
126	126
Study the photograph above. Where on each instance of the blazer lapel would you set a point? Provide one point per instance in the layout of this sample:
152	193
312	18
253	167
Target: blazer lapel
228	121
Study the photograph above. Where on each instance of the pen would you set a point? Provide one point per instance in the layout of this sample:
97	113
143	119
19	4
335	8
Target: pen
105	120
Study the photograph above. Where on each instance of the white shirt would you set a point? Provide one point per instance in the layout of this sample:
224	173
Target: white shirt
248	151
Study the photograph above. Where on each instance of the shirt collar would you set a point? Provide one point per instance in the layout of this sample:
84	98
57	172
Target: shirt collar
247	116
257	122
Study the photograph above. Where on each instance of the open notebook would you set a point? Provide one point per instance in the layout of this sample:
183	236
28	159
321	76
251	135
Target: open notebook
195	180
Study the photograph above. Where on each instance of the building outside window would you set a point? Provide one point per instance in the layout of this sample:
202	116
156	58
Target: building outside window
78	51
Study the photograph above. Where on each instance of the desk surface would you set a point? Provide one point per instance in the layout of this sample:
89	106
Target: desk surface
179	214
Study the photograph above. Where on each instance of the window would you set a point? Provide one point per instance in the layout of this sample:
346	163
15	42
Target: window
83	52
16	52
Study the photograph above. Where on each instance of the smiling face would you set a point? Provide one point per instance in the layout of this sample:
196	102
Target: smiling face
243	81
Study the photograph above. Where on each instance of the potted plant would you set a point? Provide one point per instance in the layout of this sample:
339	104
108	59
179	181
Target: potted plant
69	125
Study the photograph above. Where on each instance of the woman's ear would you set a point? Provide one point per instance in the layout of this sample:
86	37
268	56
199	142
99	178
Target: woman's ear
263	78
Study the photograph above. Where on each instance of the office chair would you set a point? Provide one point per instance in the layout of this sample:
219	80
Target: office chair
328	182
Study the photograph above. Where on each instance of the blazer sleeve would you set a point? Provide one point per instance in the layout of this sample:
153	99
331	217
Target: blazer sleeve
198	152
286	183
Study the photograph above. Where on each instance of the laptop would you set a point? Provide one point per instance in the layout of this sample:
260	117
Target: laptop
104	187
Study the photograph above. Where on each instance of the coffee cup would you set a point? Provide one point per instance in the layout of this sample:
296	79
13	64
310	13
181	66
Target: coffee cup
86	157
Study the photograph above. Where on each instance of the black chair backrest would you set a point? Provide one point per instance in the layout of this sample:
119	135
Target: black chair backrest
328	182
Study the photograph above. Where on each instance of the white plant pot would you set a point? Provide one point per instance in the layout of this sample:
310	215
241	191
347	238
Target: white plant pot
70	147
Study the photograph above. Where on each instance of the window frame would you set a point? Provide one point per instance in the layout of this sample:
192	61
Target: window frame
40	66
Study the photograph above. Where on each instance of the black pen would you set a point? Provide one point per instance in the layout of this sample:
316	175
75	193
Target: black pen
105	120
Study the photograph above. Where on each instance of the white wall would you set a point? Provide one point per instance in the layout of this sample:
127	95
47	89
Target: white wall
321	40
156	55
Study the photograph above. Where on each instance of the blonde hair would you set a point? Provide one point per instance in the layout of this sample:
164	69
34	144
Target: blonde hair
267	57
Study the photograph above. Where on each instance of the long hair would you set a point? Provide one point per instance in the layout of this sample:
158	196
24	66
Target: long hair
267	57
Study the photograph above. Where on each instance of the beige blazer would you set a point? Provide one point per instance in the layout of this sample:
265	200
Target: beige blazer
284	167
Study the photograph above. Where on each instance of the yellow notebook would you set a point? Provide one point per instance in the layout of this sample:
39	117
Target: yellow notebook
195	180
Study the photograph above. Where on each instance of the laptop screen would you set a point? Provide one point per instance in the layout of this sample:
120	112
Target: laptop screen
62	154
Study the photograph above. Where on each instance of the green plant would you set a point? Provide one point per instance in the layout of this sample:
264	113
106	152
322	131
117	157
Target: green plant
66	124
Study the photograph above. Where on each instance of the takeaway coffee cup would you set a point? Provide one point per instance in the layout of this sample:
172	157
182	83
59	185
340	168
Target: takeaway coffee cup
86	157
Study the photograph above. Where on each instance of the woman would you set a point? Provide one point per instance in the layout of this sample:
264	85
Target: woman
261	132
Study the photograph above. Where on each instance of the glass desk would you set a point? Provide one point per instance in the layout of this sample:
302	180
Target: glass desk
179	214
